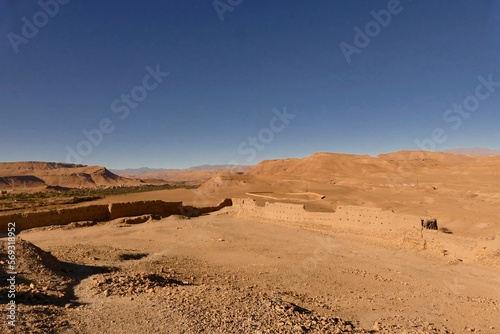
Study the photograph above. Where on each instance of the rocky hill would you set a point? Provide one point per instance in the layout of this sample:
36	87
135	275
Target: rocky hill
36	175
334	165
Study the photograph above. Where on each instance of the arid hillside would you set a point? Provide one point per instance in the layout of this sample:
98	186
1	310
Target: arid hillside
331	243
460	190
34	175
189	175
403	164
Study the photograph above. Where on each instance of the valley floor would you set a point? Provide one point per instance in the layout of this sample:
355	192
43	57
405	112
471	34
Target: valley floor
219	273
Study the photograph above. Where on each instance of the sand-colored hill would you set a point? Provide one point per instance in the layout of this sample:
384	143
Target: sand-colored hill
321	166
460	190
35	175
325	244
327	165
190	175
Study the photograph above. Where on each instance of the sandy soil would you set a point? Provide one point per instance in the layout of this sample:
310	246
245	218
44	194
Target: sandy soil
219	273
223	273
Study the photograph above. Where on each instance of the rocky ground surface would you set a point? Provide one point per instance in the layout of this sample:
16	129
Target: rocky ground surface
179	302
219	274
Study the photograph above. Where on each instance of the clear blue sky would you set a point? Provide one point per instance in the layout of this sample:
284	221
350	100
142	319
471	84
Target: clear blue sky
226	78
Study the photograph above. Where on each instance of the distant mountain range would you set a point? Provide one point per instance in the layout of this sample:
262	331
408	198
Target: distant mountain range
144	170
196	174
472	151
213	166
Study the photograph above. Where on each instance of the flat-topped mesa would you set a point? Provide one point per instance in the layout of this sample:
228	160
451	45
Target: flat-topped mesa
35	175
37	165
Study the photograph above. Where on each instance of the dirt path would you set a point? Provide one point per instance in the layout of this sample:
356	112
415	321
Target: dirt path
218	272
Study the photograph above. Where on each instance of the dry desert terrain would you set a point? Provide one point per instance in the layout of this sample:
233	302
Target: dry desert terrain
331	243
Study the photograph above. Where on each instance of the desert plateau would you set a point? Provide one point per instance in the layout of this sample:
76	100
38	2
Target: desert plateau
249	167
331	243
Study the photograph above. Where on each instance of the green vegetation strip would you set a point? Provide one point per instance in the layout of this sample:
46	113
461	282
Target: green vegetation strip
19	200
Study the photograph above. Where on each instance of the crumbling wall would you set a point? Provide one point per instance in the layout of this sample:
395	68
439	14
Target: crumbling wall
102	212
222	204
353	213
246	206
280	210
346	215
117	210
375	223
54	217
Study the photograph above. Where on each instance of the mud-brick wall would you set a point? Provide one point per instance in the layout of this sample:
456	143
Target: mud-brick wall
284	211
101	213
344	214
54	217
356	213
321	216
117	210
352	213
245	204
222	204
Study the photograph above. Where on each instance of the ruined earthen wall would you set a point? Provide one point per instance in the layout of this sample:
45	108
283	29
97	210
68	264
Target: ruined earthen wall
403	230
54	217
222	204
296	212
117	210
102	212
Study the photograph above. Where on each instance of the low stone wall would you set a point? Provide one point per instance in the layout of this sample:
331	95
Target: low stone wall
28	220
375	223
118	210
223	204
349	214
102	212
